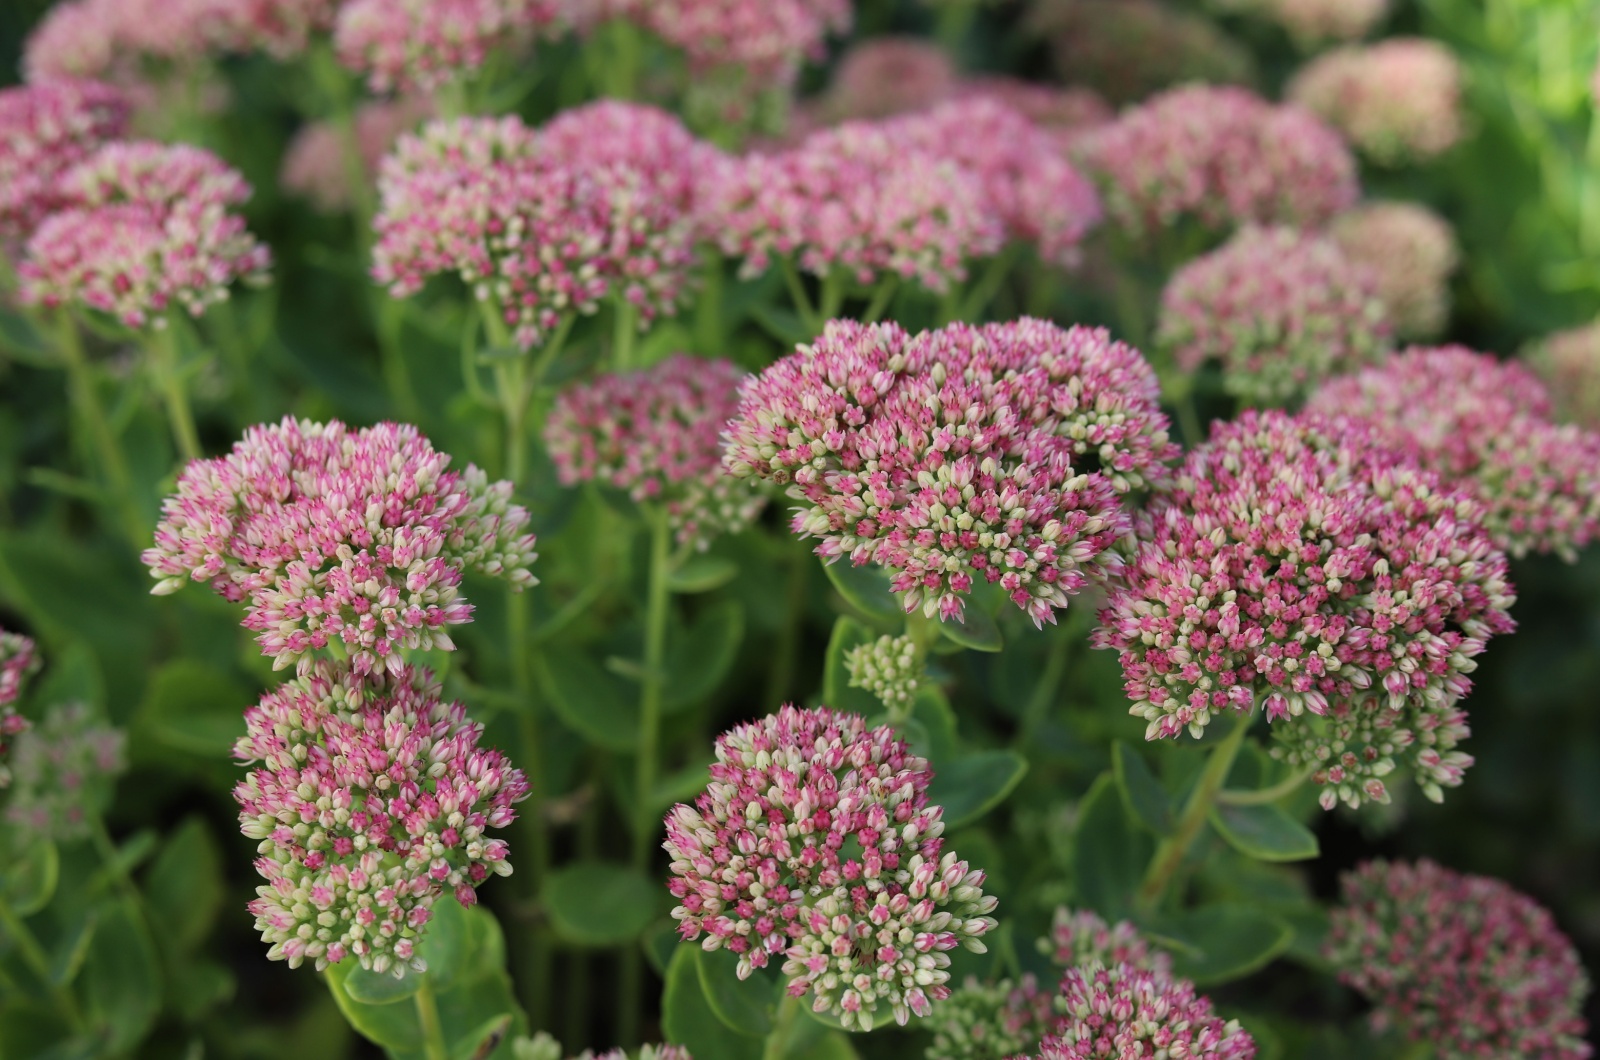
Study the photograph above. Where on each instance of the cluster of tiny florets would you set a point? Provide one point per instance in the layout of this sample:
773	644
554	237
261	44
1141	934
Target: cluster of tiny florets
425	44
1411	251
370	800
534	227
1221	157
766	41
1280	309
815	845
1483	425
1080	936
146	228
338	536
18	661
890	667
992	1021
45	130
1296	565
1569	363
657	434
998	453
1398	101
1128	1013
1316	22
1066	113
1465	963
58	769
883	76
543	1047
318	164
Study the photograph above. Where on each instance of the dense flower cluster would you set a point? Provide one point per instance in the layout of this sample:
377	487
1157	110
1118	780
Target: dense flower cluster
657	434
333	535
73	39
58	769
370	800
1279	308
1219	156
889	667
536	230
1295	565
1462	962
17	661
883	76
998	453
1041	198
425	44
1398	101
992	1021
148	227
1065	113
318	165
1079	937
1569	363
1129	49
1315	22
45	130
854	198
765	39
1412	252
1483	425
1123	1012
815	844
543	1047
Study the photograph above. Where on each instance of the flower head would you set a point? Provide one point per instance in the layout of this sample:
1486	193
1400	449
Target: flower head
1300	566
1462	962
1398	100
371	800
1412	252
1569	363
1483	426
45	130
1280	309
1064	113
59	769
883	76
890	668
18	662
329	534
992	1021
316	165
765	41
815	845
424	44
1219	157
148	227
1079	937
75	38
657	434
1124	1012
997	453
1315	22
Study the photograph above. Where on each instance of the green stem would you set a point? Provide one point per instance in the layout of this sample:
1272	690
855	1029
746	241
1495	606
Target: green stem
39	964
881	299
780	675
1049	684
433	1043
1174	848
80	385
802	300
1189	419
511	388
988	285
392	356
1263	796
163	350
782	1028
832	295
624	331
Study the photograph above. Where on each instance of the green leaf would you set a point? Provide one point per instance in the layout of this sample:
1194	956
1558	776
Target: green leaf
184	887
121	979
866	589
813	1040
745	1005
836	690
975	630
1264	832
971	786
20	339
380	988
590	700
932	708
660	942
72	677
194	706
701	574
1109	851
72	949
688	1020
701	656
1220	943
1142	794
30	868
596	904
480	1042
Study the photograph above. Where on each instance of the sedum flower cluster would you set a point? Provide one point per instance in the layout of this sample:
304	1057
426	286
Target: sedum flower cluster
1124	1012
317	165
1464	963
1312	23
1299	566
1569	363
1080	936
370	801
145	228
997	453
1411	252
1221	157
58	768
890	668
815	846
1398	101
1484	427
18	661
45	130
333	536
657	434
1280	309
992	1021
422	45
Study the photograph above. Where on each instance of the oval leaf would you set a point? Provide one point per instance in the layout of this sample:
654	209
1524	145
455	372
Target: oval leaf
30	868
1109	851
702	654
687	1018
701	574
975	630
1142	794
592	702
866	589
1220	943
380	988
595	904
743	1004
970	787
1264	832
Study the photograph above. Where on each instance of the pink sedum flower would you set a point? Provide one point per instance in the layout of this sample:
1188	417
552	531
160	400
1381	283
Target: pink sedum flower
91	38
766	40
1412	252
997	454
423	45
1127	1013
1569	364
1398	101
815	845
45	130
18	661
1312	23
75	38
1464	963
1219	157
992	1021
1080	936
657	435
59	771
1280	309
338	536
317	166
1065	113
371	801
148	228
883	76
1298	566
1483	426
